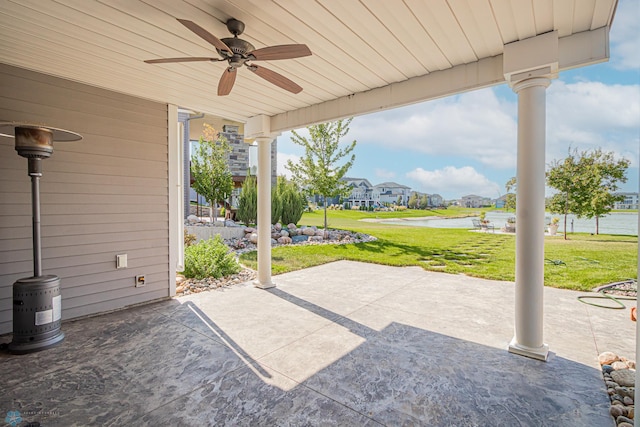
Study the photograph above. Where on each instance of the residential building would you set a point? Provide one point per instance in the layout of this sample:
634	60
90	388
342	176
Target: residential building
361	192
391	193
630	201
473	201
435	200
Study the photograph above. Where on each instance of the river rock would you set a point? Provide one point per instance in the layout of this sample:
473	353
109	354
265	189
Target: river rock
299	239
249	230
624	377
192	219
607	369
617	410
277	226
253	238
627	400
284	233
619	365
285	240
607	358
308	231
626	391
273	242
315	238
291	226
622	419
320	233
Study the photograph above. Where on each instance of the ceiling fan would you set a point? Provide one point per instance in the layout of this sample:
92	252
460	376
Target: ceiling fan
238	52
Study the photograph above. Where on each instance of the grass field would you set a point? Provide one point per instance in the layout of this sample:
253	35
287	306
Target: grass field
581	263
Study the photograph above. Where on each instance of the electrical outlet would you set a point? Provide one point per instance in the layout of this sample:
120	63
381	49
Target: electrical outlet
140	280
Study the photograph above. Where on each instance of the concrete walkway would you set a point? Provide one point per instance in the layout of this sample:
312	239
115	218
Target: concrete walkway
344	344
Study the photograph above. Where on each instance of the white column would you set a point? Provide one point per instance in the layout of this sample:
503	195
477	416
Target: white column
264	212
530	210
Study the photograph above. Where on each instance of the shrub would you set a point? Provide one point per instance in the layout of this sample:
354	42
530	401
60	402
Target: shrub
209	258
276	205
189	239
293	203
248	201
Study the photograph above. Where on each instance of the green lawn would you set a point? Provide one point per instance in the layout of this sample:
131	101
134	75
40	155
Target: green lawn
586	261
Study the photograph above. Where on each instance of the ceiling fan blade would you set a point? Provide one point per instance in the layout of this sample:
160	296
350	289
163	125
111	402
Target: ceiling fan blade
276	78
186	59
226	81
283	51
205	34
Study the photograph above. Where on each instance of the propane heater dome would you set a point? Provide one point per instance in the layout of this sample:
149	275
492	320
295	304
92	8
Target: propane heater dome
37	303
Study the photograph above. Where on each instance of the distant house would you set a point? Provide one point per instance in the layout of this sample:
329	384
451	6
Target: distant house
501	201
361	192
391	192
473	201
630	201
435	200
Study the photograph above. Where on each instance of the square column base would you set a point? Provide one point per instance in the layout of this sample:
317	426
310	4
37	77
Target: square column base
259	285
540	353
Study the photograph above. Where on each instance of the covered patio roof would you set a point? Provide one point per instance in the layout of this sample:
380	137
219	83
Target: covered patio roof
367	55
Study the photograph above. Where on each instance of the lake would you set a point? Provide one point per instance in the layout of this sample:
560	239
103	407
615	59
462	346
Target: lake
614	223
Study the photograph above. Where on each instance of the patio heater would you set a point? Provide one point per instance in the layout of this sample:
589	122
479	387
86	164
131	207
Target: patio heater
37	303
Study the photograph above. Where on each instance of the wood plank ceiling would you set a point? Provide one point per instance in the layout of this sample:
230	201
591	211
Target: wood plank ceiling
357	45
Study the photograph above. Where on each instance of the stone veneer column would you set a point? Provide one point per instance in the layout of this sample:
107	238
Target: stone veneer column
264	213
530	211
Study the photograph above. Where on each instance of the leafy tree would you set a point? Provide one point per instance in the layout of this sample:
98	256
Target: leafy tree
248	201
586	182
319	171
413	201
399	201
210	169
510	198
424	202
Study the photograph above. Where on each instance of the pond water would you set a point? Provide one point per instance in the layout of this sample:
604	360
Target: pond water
614	223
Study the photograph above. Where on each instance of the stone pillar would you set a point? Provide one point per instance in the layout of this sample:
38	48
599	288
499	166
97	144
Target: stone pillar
264	212
530	211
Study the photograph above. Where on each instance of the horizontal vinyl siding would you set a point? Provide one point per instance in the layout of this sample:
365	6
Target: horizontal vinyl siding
100	197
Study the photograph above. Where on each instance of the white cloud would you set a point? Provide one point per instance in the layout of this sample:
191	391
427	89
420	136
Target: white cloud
383	173
588	115
475	125
625	36
451	181
282	162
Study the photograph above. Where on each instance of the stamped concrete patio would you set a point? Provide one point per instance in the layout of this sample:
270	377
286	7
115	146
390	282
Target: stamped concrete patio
344	344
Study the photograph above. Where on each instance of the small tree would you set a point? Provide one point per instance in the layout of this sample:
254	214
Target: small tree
424	202
248	201
276	205
413	201
319	170
399	201
292	200
586	182
210	169
510	197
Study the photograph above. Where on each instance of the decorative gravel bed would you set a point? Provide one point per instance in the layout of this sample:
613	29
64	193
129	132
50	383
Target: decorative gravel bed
246	244
619	375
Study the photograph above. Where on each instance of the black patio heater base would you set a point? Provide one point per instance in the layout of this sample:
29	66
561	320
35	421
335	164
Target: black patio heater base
39	331
37	303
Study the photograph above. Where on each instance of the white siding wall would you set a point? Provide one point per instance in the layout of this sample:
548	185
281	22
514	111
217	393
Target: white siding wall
105	195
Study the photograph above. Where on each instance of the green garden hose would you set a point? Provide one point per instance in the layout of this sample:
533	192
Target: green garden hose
603	295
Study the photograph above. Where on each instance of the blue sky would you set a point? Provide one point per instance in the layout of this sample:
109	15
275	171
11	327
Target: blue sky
466	144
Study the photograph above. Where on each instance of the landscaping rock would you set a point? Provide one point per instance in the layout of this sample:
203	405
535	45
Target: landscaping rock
253	238
308	231
607	369
284	233
284	240
617	411
623	419
316	238
291	226
619	365
607	358
299	239
624	377
192	219
277	226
